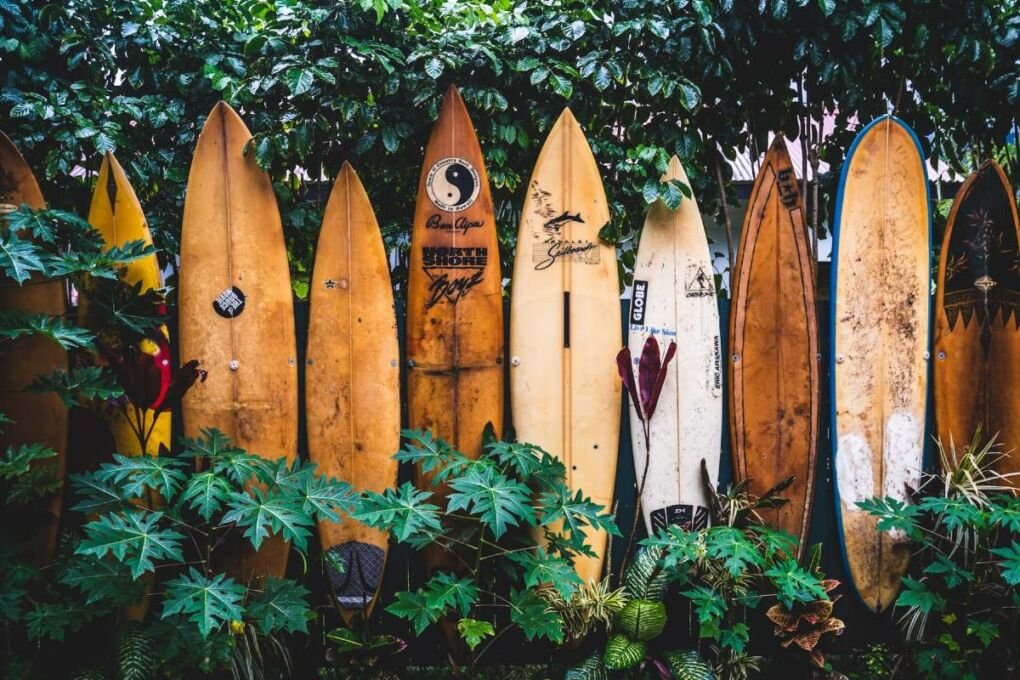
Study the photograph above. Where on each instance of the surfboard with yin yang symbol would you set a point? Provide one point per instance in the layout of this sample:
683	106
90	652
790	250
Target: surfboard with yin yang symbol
454	299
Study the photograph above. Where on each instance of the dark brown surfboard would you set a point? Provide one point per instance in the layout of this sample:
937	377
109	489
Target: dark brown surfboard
38	417
977	316
773	362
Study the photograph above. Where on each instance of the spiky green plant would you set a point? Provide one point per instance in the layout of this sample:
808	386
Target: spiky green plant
135	658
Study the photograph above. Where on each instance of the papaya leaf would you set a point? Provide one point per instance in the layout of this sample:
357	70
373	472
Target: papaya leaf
134	537
207	601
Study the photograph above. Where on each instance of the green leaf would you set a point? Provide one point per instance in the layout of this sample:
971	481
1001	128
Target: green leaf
133	537
19	258
106	581
641	620
827	6
645	577
734	550
282	605
260	513
80	385
673	193
916	594
561	85
540	568
323	497
894	515
15	324
53	620
592	668
1009	562
690	95
446	591
414	607
96	495
497	501
602	79
650	191
473	631
576	512
299	80
206	601
206	492
795	584
402	511
534	616
432	454
134	474
623	653
434	67
17	460
523	459
688	665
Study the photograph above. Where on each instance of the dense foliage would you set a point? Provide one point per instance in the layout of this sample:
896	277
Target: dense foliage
360	80
960	607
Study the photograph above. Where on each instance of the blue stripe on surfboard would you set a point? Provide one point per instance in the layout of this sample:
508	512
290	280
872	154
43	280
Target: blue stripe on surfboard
833	278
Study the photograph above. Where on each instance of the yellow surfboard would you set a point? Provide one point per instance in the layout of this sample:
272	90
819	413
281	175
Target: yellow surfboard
565	323
38	417
116	214
237	314
352	383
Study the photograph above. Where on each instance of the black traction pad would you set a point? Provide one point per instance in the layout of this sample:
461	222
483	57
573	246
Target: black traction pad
355	586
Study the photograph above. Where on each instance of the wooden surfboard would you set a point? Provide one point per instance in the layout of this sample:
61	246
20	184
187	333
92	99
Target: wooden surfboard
38	417
773	363
352	383
977	315
880	311
564	330
674	298
454	297
236	313
116	214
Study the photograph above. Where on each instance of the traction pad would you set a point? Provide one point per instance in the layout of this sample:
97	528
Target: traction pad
355	587
689	517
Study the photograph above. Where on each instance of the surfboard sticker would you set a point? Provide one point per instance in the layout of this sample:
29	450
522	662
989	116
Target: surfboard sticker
355	570
453	184
230	303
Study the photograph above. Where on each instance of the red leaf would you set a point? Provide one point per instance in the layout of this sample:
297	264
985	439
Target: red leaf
181	383
648	371
660	379
623	365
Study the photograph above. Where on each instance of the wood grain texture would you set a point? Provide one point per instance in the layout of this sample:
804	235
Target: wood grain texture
564	328
773	367
38	417
232	238
117	215
454	335
674	299
352	376
977	312
880	300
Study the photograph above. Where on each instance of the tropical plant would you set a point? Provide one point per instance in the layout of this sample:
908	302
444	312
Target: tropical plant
508	512
960	605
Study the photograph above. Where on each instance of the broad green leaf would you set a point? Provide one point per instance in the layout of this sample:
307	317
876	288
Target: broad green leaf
414	607
534	617
206	601
523	459
15	324
446	591
134	474
104	581
96	494
592	668
402	511
623	653
916	594
732	548
80	385
19	258
205	493
576	512
18	460
795	584
540	568
299	80
1009	562
261	513
641	620
688	665
282	605
434	67
497	501
473	631
134	537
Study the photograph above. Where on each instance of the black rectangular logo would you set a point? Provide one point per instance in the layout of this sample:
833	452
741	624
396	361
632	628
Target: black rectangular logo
638	301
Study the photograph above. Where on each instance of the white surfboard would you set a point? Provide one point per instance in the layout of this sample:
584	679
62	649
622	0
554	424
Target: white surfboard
674	298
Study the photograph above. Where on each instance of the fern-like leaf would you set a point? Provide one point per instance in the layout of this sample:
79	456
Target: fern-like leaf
645	578
135	658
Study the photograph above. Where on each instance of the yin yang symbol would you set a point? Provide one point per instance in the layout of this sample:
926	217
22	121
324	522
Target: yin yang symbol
452	184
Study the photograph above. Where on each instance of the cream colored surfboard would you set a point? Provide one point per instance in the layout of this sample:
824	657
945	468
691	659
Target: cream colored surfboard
674	299
237	315
564	323
352	383
881	288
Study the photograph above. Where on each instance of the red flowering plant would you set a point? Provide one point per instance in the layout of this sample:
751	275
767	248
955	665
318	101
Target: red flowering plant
644	390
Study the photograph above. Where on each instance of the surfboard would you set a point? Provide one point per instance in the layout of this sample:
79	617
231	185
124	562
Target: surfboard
773	362
564	323
977	315
454	334
38	417
117	215
352	384
236	314
674	299
880	310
